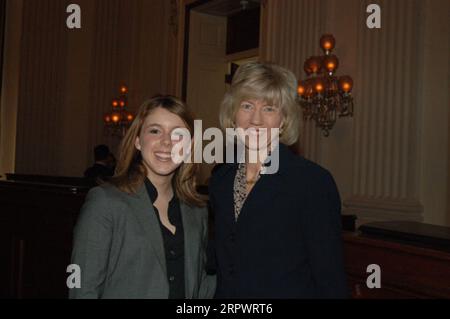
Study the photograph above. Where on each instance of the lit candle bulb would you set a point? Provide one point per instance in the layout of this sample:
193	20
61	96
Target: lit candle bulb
327	42
301	89
130	117
123	89
345	83
115	117
319	85
331	63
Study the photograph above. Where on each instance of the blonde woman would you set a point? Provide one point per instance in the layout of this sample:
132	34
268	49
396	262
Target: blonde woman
277	234
143	234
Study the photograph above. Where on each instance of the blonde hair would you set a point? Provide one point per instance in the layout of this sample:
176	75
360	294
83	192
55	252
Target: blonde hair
270	83
130	171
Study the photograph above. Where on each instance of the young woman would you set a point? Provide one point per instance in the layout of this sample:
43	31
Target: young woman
277	234
143	234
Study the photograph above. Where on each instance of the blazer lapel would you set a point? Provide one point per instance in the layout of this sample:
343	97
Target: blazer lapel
262	194
225	201
269	185
143	208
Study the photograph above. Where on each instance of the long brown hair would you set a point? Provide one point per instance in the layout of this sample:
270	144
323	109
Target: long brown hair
130	171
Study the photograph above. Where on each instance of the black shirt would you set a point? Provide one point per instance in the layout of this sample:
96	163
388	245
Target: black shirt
173	243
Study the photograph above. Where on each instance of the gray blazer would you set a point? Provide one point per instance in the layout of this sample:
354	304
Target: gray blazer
119	247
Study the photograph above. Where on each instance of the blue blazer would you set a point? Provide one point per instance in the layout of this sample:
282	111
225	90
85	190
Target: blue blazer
287	242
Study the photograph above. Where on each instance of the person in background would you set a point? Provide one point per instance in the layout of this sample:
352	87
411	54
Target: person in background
144	233
111	160
102	168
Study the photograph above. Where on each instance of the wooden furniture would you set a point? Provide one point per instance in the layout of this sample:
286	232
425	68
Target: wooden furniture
408	268
36	223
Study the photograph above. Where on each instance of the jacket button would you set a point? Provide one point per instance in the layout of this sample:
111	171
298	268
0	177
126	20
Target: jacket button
171	278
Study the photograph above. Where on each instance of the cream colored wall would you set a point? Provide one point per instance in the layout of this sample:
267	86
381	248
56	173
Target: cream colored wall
62	81
10	83
123	42
390	160
42	80
74	153
336	151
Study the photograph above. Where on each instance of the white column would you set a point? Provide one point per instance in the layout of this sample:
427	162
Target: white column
385	162
434	113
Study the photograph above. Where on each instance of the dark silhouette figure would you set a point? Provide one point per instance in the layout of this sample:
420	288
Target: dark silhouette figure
103	167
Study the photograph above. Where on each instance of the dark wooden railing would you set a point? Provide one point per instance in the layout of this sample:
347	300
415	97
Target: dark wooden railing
36	223
413	260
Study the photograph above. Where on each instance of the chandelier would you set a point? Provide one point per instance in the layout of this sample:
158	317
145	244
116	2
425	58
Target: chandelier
119	119
324	96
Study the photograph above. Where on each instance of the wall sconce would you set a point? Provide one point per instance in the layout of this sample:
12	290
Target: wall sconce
324	96
119	119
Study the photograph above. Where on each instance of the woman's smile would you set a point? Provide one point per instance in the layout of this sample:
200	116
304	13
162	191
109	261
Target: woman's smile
163	156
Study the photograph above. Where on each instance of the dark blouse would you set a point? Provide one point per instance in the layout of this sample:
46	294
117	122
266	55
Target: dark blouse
173	244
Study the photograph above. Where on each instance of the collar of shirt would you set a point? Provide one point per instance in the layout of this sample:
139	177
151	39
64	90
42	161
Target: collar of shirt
151	190
153	193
